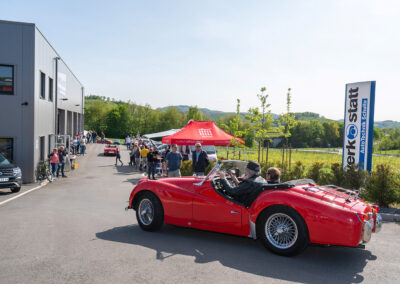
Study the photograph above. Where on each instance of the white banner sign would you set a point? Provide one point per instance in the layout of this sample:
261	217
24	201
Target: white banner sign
359	124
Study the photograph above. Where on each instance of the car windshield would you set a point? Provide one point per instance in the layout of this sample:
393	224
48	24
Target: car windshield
238	166
111	146
3	160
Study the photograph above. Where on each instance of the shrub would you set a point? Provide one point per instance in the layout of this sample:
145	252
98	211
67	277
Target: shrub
338	174
354	177
383	186
297	171
325	176
186	169
314	171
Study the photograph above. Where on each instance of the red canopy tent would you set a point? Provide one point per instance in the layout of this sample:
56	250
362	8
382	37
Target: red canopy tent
204	132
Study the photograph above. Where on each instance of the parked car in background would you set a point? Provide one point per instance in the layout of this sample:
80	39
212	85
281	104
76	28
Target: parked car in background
162	148
10	175
117	142
106	141
110	150
209	149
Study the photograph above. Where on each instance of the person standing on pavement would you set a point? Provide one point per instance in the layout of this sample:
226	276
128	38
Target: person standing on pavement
118	156
54	160
78	143
83	145
152	158
62	155
174	162
136	154
128	142
200	161
94	136
103	136
143	155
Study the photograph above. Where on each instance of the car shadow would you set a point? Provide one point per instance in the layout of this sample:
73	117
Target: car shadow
8	192
314	265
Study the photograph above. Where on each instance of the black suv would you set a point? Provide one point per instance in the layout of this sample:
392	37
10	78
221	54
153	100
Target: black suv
10	175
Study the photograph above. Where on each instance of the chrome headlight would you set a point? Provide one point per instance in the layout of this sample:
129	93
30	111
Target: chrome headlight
367	230
16	171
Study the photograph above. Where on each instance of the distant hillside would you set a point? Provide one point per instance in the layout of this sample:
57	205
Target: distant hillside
214	114
387	124
307	116
303	116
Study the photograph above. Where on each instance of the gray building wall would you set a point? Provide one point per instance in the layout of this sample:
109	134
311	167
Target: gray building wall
16	119
30	53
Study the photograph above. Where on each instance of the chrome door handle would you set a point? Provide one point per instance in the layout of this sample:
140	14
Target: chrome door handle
234	212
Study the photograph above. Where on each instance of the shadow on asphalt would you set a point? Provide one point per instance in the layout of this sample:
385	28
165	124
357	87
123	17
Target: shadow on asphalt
314	265
125	170
8	192
133	181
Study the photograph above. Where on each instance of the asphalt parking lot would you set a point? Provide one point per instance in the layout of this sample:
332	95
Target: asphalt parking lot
75	230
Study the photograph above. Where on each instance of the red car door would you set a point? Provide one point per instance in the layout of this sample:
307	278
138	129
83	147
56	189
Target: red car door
212	211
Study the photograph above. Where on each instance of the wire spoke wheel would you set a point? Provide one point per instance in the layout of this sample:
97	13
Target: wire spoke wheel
146	211
281	231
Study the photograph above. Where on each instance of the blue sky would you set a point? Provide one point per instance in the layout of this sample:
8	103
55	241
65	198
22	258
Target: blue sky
208	53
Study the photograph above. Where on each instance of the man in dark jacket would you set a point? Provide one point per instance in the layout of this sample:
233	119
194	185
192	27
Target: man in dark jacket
249	188
62	155
200	161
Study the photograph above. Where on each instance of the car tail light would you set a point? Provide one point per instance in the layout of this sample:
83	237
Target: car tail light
375	207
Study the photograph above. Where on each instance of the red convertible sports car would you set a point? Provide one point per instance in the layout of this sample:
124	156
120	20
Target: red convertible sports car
110	150
286	217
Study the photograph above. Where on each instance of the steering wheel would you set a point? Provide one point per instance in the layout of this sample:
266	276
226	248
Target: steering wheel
220	187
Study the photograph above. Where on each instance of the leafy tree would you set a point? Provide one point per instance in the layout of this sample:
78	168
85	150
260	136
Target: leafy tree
331	134
119	122
287	119
194	114
262	121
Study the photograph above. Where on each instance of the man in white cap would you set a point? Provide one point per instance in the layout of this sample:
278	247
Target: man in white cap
245	190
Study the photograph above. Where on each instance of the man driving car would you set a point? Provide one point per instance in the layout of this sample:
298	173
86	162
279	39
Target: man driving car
252	181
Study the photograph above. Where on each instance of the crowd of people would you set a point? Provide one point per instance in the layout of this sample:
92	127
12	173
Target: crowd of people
149	159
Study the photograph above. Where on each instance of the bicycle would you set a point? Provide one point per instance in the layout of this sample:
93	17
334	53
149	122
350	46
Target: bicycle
44	171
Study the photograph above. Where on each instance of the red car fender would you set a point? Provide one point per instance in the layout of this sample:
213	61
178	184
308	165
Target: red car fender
176	201
326	223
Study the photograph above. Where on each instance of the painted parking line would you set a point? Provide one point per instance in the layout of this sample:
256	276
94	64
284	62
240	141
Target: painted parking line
22	194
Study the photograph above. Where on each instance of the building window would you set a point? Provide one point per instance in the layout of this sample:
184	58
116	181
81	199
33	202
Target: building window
50	89
6	148
6	80
42	85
